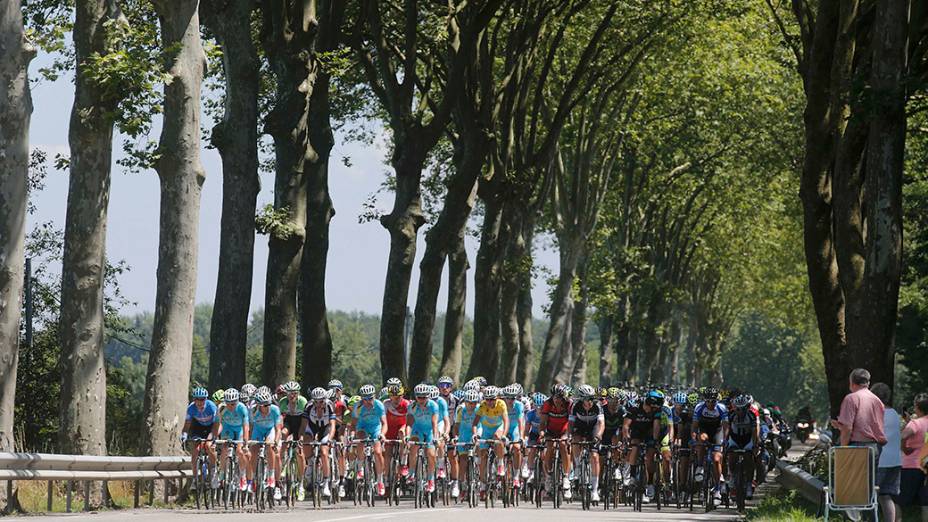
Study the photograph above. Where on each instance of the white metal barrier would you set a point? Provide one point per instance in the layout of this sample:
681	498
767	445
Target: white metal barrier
86	468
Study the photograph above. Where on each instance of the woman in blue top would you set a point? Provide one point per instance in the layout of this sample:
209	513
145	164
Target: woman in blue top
200	422
464	431
516	412
423	417
235	424
267	424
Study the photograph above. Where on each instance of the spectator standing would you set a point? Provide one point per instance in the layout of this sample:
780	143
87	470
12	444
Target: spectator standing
913	491
860	420
889	468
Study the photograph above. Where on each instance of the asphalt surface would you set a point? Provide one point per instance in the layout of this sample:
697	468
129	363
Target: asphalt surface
347	512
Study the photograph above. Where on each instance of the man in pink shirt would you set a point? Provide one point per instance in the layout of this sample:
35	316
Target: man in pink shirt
861	418
913	489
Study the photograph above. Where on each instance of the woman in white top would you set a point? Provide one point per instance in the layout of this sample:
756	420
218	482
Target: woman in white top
889	469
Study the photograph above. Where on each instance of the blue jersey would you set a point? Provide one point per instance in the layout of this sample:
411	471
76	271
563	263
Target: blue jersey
705	417
533	421
422	415
369	417
515	415
204	417
465	422
264	422
442	409
234	417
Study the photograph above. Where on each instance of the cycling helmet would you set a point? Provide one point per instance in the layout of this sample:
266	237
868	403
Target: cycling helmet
602	392
655	398
444	379
354	399
394	389
458	394
693	397
384	393
554	389
680	398
633	400
518	389
490	392
292	386
263	397
482	381
335	383
422	390
433	392
711	394
279	390
538	399
367	391
472	396
230	395
510	392
248	390
568	390
559	390
200	393
471	385
614	393
218	396
585	391
318	394
766	412
742	401
261	389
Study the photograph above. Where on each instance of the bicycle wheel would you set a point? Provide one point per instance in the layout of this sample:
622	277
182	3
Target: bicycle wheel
556	479
741	483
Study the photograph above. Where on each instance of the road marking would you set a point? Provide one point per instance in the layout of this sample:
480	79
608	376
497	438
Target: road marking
382	516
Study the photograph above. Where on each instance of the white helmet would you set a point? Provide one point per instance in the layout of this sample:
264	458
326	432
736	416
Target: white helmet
586	391
471	396
367	391
319	394
490	392
231	395
263	397
292	386
422	390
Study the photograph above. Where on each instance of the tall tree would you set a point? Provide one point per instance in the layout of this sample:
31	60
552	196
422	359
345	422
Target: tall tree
15	113
83	372
288	35
411	62
317	340
236	139
181	178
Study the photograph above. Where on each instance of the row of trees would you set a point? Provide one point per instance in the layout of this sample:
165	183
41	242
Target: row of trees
653	143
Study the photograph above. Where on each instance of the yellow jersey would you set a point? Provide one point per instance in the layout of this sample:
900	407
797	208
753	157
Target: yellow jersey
492	415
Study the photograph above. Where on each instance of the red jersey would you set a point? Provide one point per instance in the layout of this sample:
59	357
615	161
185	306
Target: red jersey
557	417
396	416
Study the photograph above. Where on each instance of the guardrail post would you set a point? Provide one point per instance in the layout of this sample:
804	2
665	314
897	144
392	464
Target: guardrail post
9	496
135	494
166	490
48	504
151	492
67	502
86	495
106	493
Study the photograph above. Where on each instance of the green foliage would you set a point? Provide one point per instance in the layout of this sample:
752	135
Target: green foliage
276	223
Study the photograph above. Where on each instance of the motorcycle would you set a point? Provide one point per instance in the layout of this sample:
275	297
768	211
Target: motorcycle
804	428
784	438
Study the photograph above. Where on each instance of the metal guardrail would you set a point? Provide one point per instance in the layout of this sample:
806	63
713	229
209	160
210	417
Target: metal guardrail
793	477
86	468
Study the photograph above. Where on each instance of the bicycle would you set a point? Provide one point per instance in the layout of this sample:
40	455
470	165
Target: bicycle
290	473
533	486
639	477
610	487
740	482
394	485
493	483
422	497
230	492
203	488
263	494
473	473
314	472
364	488
585	474
510	491
442	480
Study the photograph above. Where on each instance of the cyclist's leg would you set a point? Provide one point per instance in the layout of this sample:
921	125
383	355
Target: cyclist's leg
413	454
565	461
378	460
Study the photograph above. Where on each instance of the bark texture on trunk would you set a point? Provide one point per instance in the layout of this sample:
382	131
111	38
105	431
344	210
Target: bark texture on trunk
485	355
15	113
606	376
90	135
288	43
236	139
317	340
455	316
439	240
553	352
181	176
526	372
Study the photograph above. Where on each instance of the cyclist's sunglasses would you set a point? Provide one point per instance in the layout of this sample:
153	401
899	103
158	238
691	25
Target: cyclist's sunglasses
444	385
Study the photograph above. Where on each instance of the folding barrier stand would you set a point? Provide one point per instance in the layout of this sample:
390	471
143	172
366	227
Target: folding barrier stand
851	480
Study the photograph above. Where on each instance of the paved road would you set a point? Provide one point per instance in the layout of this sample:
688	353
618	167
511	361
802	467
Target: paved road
348	513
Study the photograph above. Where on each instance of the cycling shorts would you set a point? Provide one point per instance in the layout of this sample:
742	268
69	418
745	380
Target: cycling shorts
583	429
663	443
423	435
612	436
715	437
292	423
316	433
533	438
732	444
261	434
393	432
640	433
487	432
514	435
232	432
371	432
556	431
199	431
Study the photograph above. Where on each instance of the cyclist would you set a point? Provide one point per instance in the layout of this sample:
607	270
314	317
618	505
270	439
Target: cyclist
682	428
553	428
533	427
423	417
246	396
292	406
218	398
200	424
464	417
343	417
516	429
613	419
446	389
493	417
744	434
587	424
397	407
710	423
444	428
235	423
660	438
369	420
318	424
267	423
